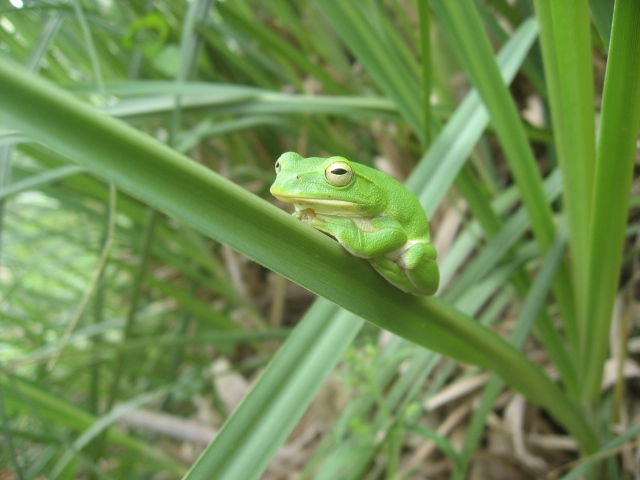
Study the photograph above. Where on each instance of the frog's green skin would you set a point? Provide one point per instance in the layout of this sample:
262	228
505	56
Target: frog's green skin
372	215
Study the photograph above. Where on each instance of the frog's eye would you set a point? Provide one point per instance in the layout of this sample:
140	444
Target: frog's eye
278	167
339	174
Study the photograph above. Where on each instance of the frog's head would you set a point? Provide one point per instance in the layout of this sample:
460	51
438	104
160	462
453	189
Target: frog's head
330	186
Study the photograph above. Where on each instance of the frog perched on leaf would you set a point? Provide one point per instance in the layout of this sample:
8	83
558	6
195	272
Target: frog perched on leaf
372	215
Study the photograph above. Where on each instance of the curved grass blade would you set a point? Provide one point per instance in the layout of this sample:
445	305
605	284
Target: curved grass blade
531	308
608	449
230	214
255	431
221	454
38	180
354	23
442	162
103	423
21	395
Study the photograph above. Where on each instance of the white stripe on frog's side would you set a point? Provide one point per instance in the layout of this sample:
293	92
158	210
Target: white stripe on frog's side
364	224
399	255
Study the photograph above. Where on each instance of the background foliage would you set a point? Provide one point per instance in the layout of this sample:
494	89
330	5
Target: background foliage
138	145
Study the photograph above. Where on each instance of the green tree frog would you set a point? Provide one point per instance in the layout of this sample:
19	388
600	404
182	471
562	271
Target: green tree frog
372	215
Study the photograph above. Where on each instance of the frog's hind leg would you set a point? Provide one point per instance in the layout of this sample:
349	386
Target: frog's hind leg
413	270
394	274
419	264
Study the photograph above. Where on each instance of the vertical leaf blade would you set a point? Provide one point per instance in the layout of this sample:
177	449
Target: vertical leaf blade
566	46
464	29
611	194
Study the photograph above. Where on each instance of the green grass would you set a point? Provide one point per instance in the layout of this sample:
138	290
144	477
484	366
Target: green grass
137	144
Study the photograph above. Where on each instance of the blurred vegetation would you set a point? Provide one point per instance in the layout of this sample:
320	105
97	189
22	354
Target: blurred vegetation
139	295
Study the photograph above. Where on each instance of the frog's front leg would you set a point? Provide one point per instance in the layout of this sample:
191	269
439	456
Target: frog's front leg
361	236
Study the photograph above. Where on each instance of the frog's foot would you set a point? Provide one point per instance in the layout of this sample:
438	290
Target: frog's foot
411	269
419	263
306	215
393	274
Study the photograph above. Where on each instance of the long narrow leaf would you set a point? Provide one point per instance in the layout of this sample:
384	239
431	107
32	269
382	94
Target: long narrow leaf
607	450
227	453
464	28
395	78
38	180
565	36
19	394
228	213
252	435
612	189
531	308
442	162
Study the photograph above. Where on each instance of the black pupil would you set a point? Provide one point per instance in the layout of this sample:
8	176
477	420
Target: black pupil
338	171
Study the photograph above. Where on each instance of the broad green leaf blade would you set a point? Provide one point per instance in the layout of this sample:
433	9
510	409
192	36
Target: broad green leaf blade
602	11
255	431
231	451
228	213
565	36
612	190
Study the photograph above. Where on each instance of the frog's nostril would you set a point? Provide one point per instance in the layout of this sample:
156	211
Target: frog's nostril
298	177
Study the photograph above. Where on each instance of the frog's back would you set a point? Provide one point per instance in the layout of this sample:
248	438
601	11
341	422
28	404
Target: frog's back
402	205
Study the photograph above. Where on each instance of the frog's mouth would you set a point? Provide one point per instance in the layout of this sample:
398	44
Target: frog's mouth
327	206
